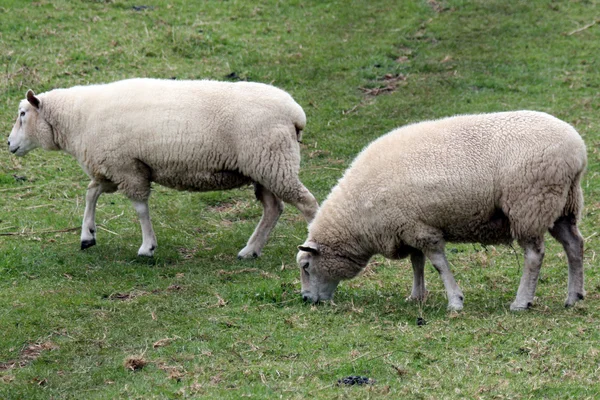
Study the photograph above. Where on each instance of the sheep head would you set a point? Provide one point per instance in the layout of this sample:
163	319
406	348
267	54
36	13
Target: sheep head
31	129
321	270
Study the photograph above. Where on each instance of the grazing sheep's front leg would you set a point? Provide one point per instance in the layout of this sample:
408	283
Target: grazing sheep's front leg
88	228
148	237
455	295
419	291
272	209
566	232
534	255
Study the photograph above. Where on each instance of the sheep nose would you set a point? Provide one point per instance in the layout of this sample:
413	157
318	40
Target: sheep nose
305	298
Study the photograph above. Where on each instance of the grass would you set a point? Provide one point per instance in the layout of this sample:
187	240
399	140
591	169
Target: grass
194	321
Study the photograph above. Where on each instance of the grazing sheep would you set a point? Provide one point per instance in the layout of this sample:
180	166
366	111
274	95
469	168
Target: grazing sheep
488	178
187	135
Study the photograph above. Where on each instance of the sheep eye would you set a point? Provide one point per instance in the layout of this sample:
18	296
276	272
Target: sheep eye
305	267
22	113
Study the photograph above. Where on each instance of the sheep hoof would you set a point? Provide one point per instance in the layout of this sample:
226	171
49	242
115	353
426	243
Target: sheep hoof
573	298
146	253
247	254
87	243
520	307
417	297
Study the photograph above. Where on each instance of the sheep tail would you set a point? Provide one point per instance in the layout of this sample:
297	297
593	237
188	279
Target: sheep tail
299	123
574	204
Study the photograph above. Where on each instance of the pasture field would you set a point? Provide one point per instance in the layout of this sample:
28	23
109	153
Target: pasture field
195	322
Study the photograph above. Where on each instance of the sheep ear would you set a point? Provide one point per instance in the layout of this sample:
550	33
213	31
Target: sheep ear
34	101
310	247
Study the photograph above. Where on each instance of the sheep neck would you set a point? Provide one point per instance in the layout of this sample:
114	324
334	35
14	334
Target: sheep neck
59	112
333	229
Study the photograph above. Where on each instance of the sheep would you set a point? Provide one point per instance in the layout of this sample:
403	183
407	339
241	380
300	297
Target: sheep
486	178
188	135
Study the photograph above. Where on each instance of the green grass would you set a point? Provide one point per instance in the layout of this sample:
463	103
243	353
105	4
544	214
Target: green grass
70	319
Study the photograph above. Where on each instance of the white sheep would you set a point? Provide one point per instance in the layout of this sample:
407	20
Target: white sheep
488	178
187	135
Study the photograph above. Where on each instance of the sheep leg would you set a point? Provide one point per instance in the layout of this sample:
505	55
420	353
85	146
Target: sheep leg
419	291
566	232
534	255
88	228
148	237
440	263
296	194
272	209
307	204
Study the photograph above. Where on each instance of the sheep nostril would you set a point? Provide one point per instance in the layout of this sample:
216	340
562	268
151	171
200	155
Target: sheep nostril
305	298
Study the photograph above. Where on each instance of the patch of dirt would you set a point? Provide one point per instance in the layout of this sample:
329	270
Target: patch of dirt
438	6
246	270
186	253
135	363
390	83
127	296
227	207
175	372
28	354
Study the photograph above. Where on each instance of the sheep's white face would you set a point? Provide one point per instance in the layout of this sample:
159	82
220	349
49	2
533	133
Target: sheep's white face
22	137
317	282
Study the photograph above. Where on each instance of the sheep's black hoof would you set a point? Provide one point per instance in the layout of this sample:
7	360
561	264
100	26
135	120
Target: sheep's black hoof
254	255
87	243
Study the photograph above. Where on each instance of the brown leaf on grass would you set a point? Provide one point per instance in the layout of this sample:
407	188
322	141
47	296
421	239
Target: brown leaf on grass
163	342
39	381
135	363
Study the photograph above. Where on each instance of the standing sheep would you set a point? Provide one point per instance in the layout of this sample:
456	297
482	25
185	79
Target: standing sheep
488	178
187	135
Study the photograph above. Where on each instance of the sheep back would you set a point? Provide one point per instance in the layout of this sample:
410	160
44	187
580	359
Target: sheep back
487	178
193	135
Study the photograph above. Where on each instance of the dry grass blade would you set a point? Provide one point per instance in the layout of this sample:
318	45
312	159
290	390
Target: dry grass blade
28	233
